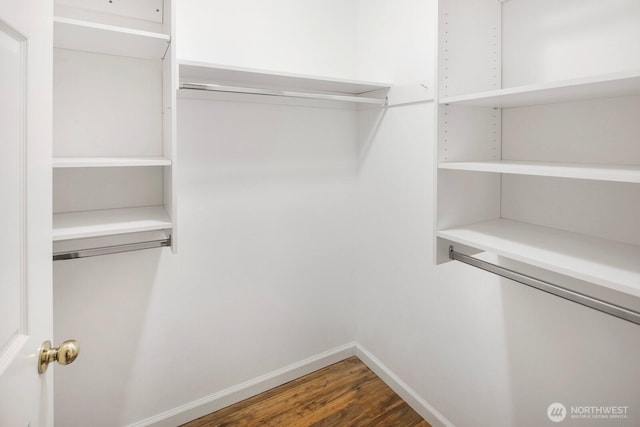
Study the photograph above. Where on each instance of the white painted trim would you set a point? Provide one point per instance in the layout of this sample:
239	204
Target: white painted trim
224	398
201	407
421	406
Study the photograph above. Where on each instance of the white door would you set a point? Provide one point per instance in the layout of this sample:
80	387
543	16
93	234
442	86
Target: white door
26	50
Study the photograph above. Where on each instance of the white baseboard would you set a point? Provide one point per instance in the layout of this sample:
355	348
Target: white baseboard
421	406
235	394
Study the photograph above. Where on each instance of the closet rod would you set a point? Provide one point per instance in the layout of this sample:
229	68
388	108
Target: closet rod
577	297
107	250
275	92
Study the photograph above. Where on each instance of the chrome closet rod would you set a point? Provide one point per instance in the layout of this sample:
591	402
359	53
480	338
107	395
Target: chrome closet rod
577	297
275	92
107	250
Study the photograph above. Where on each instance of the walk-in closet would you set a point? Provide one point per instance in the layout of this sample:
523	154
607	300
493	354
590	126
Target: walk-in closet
428	209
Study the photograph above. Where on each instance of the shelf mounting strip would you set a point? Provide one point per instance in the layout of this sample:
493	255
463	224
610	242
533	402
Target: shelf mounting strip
108	250
286	93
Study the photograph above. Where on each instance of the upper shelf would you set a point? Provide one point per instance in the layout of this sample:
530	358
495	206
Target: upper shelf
607	263
602	86
108	222
616	173
108	39
193	71
223	78
95	162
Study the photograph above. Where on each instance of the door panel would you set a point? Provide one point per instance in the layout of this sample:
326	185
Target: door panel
12	275
26	48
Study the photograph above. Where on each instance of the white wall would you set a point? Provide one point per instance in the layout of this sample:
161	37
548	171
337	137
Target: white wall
265	270
313	37
483	351
263	278
435	327
392	33
580	38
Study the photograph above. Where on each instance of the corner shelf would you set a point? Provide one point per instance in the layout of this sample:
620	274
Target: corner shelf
572	124
607	263
94	162
124	52
601	86
263	82
108	222
616	173
107	39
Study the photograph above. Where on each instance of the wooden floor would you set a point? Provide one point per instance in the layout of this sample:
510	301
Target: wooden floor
345	394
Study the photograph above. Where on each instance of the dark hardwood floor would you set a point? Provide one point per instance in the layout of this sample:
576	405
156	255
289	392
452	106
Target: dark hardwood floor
344	394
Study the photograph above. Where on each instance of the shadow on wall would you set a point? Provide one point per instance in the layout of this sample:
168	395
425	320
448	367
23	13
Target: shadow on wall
248	140
561	352
369	122
108	295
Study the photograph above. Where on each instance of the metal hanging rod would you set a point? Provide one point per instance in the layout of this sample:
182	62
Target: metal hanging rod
107	250
577	297
286	93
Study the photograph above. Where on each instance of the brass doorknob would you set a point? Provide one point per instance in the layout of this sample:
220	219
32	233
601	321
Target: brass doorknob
65	354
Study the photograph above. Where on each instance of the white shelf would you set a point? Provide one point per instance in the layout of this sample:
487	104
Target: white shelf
108	222
610	264
603	86
617	173
201	72
97	162
93	37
